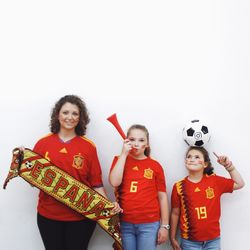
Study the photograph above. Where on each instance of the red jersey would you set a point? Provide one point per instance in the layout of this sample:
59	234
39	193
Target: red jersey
77	157
138	192
199	205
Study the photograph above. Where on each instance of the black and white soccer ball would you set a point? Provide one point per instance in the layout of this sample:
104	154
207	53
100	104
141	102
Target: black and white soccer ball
196	133
28	164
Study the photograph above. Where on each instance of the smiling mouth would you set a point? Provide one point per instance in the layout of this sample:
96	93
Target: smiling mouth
193	164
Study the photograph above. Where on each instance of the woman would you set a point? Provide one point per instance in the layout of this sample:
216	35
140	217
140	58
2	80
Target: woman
67	147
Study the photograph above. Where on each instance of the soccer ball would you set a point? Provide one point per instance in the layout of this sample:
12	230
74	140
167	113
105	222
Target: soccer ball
195	133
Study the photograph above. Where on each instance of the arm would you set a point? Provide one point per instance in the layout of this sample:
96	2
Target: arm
101	191
117	208
163	232
233	172
116	174
236	177
174	221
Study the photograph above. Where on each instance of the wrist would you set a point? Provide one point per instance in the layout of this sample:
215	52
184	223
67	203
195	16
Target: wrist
229	166
165	226
230	169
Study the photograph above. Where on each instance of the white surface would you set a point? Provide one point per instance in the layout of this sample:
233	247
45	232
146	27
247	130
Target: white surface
158	63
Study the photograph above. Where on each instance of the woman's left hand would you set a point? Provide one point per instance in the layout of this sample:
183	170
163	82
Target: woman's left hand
117	209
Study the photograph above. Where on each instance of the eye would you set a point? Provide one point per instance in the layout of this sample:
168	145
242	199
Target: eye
197	157
188	157
141	140
132	139
65	112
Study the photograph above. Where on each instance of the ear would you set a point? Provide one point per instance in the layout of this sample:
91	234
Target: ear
205	164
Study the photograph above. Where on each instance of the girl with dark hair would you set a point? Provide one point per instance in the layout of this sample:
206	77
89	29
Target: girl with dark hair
68	148
141	190
196	201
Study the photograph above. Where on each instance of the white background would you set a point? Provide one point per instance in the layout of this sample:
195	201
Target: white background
158	63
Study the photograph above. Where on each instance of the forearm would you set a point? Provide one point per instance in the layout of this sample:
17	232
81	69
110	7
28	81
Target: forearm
236	177
163	200
174	221
116	174
101	191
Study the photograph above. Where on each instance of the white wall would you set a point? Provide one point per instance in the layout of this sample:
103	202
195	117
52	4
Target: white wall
158	63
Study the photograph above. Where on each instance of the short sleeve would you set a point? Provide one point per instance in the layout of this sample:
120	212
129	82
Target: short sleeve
225	185
95	177
160	180
175	199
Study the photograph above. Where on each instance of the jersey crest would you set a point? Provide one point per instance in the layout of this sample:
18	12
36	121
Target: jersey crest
78	161
210	193
148	173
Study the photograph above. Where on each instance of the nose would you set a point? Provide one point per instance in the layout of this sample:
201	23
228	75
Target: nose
70	116
190	159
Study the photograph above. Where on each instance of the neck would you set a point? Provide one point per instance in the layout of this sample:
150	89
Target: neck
66	135
195	176
138	157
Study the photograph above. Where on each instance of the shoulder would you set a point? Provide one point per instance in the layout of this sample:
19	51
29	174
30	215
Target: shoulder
45	137
154	161
87	141
212	177
43	142
217	178
179	183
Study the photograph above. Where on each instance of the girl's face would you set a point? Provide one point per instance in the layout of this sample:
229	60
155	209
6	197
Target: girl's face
139	142
69	116
195	161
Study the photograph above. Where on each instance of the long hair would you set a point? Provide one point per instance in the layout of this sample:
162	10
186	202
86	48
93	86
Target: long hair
83	119
209	169
144	129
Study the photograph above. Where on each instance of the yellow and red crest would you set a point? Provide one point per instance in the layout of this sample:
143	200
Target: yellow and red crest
78	161
210	193
148	173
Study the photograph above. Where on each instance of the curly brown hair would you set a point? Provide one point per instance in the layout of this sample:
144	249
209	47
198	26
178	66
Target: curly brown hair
83	119
209	169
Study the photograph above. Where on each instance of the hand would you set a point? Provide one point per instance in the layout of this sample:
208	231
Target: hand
222	159
175	244
162	235
127	146
20	148
117	209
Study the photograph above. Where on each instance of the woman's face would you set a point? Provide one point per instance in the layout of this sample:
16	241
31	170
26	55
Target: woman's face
69	116
195	161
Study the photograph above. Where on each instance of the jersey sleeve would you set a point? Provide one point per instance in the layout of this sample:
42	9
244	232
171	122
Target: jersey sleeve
113	163
38	148
225	185
175	199
160	180
95	177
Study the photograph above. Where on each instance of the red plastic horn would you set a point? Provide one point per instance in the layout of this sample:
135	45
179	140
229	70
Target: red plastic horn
114	121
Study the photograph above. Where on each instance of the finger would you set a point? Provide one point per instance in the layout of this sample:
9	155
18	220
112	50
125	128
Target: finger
216	155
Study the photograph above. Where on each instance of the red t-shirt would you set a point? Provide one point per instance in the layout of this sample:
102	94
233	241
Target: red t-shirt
77	157
199	205
138	193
